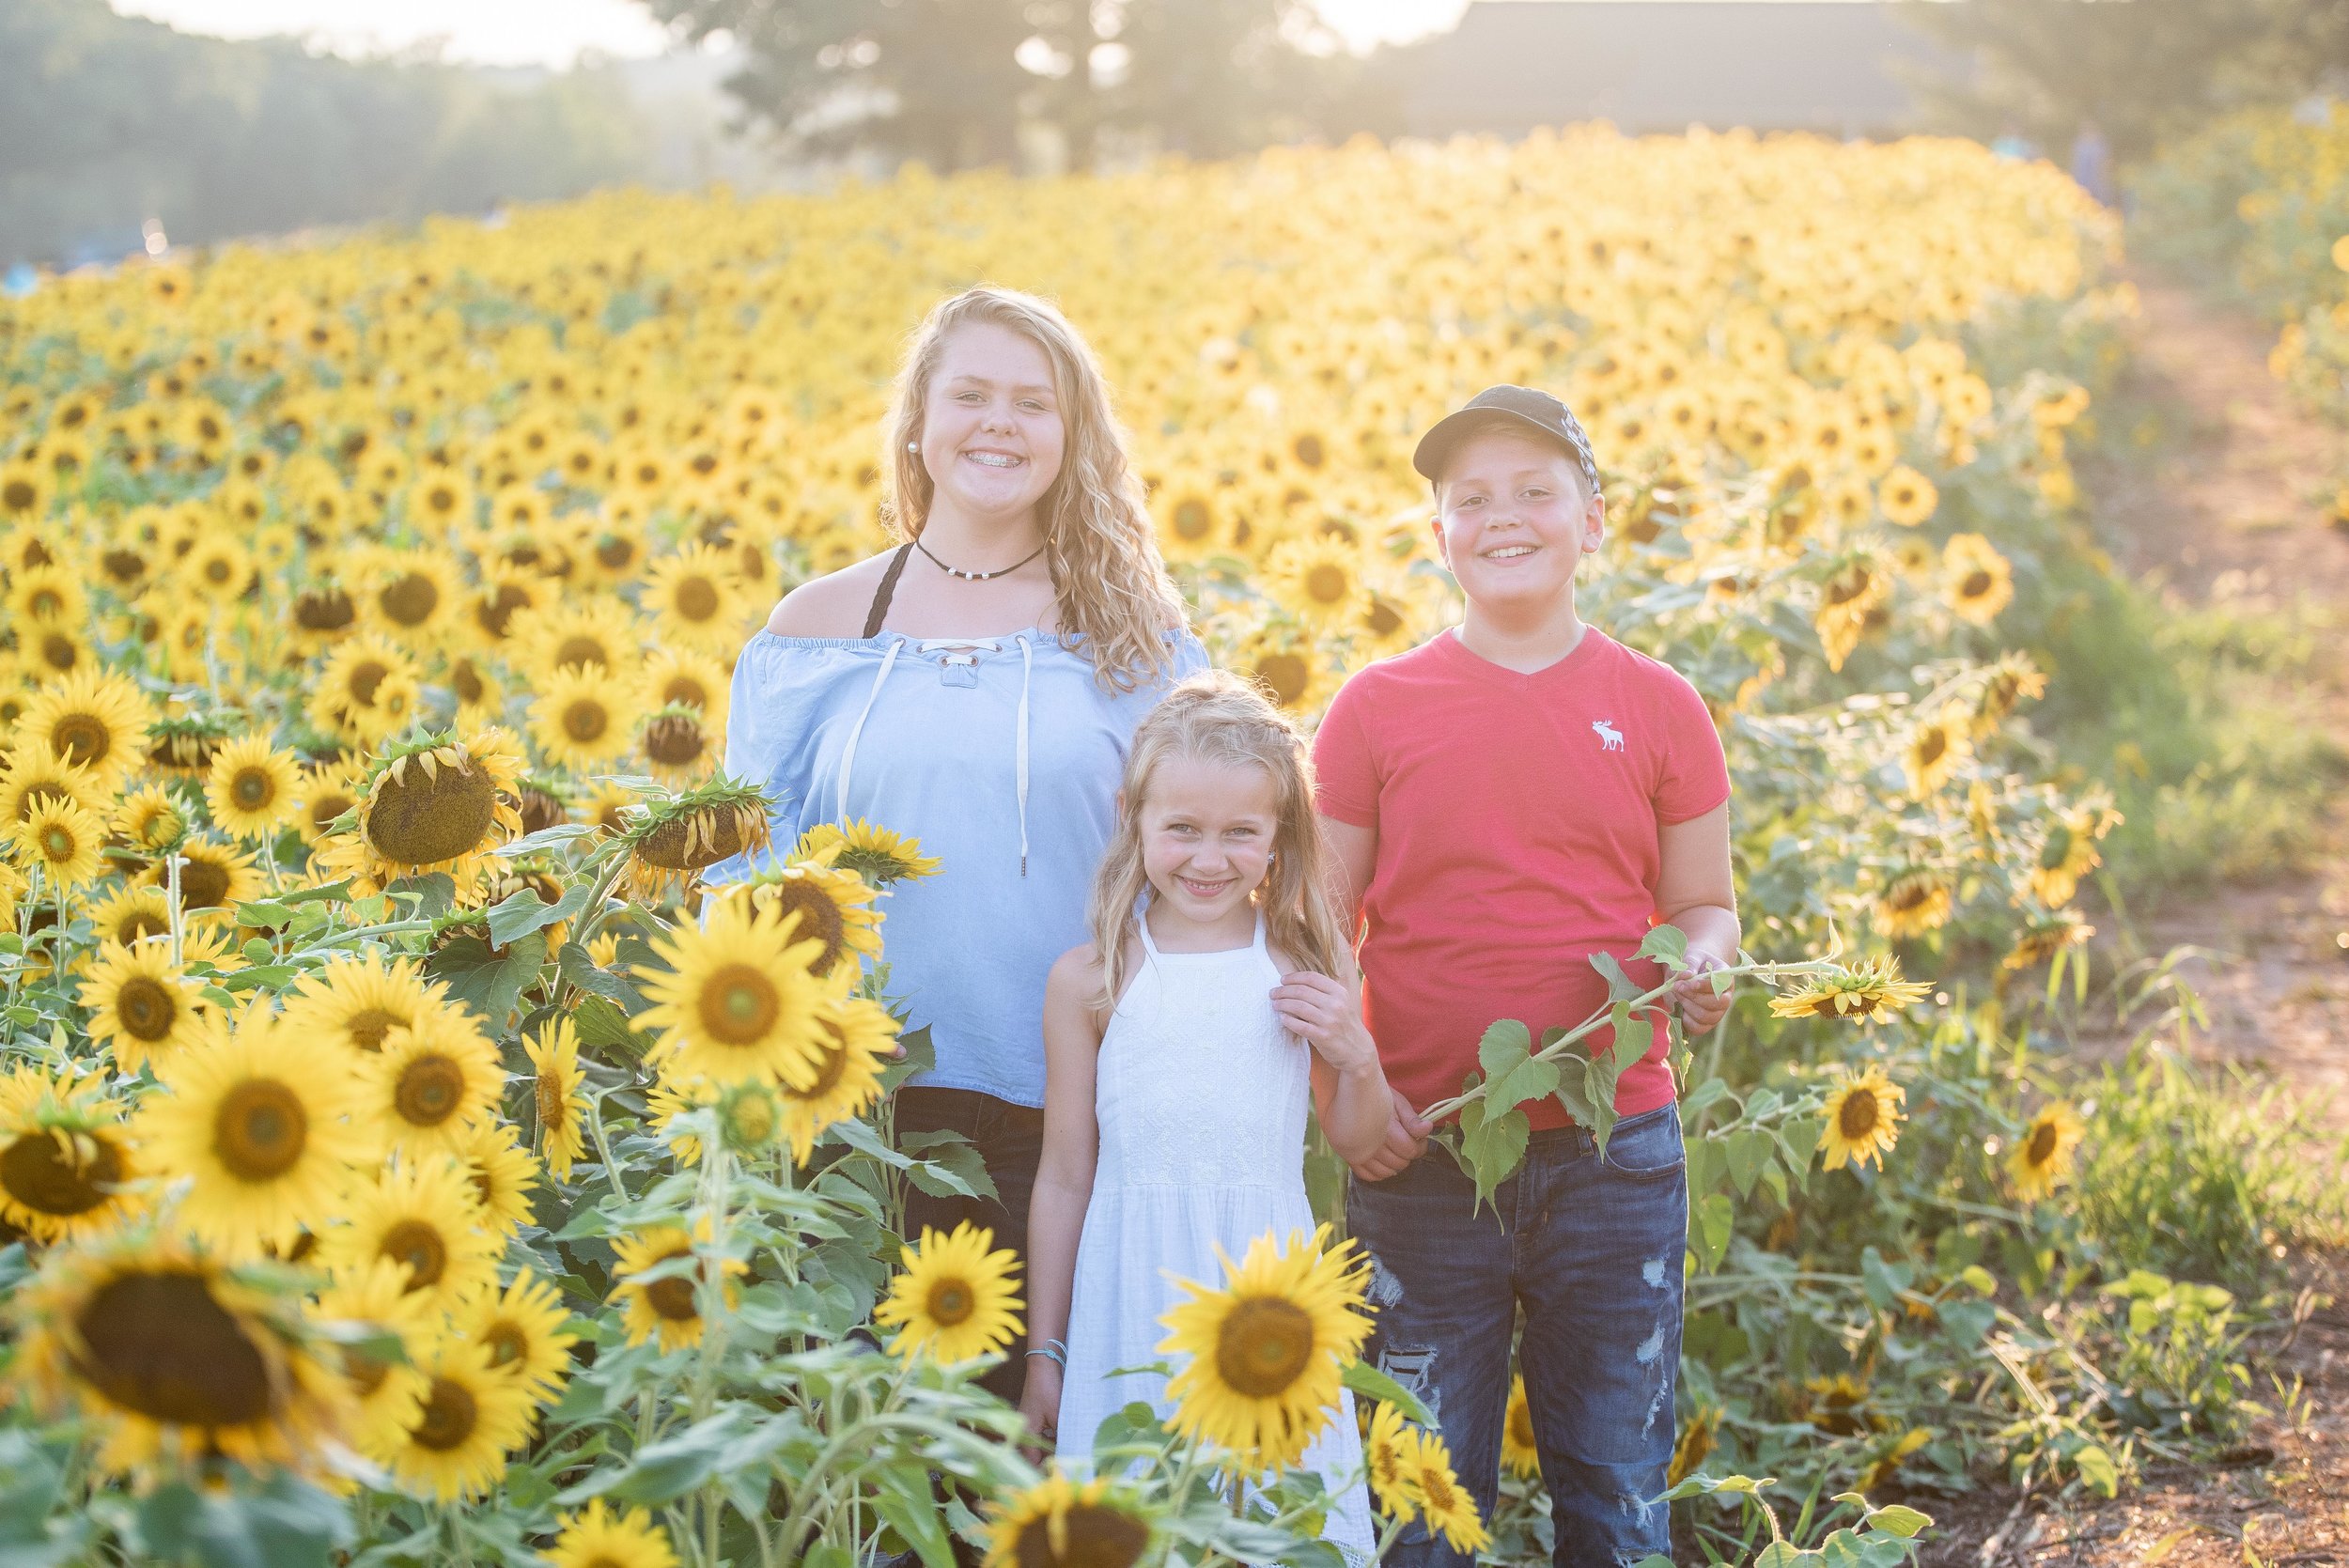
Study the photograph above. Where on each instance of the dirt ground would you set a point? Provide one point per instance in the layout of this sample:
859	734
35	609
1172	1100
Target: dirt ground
2235	509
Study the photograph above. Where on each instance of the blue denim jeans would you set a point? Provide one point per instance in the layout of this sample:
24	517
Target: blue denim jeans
1590	1251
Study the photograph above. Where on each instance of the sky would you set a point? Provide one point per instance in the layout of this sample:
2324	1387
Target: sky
556	32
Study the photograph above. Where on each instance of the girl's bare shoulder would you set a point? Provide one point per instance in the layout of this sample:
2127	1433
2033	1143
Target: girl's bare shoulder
833	605
1076	972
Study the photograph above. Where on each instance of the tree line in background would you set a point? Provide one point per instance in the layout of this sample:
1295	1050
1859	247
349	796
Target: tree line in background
106	120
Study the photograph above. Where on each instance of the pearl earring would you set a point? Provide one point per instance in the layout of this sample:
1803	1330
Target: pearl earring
913	446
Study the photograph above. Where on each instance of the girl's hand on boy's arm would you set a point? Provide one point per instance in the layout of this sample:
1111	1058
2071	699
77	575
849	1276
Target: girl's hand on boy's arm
1405	1140
1327	1015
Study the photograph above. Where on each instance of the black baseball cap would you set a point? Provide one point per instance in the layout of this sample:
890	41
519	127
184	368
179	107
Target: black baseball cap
1521	406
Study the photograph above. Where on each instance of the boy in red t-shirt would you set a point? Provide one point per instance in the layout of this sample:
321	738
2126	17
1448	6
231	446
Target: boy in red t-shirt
1511	796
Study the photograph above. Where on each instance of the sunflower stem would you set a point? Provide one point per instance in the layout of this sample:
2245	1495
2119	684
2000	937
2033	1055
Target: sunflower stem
171	903
603	1145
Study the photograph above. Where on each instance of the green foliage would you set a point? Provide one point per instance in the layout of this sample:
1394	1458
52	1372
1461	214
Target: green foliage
108	120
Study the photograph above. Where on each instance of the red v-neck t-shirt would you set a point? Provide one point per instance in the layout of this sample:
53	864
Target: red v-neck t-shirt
1517	819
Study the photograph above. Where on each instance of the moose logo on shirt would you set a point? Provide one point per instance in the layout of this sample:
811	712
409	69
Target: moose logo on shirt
1609	737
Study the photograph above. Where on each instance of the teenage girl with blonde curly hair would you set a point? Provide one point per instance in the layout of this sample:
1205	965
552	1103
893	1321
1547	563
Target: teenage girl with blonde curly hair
976	686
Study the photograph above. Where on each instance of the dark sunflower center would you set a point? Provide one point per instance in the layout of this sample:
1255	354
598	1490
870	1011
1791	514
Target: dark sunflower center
675	741
808	910
2042	1148
324	610
1931	745
467	681
450	1414
418	819
136	928
1263	1346
1383	619
59	1172
582	650
585	718
432	1088
834	1067
59	652
1842	590
1287	675
1857	1116
1976	585
203	884
260	1130
2058	849
364	1371
950	1302
60	842
82	738
555	1106
145	1007
686	690
739	1005
160	1345
410	601
1310	451
506	1342
1521	1426
417	1243
325	808
496	612
1437	1487
1092	1536
673	1298
614	552
1326	583
253	788
677	845
696	599
1193	521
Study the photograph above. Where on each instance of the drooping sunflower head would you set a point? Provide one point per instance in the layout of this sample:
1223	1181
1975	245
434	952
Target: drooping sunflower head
169	1352
1863	1116
67	1164
737	1000
2012	680
1059	1523
831	905
954	1299
441	802
874	852
1695	1444
658	1275
1267	1351
674	839
2069	852
2043	1151
1868	991
1941	743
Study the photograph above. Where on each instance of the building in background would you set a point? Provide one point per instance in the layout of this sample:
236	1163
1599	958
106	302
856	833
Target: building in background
1832	66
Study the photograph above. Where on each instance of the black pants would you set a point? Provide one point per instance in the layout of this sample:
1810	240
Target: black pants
1010	1141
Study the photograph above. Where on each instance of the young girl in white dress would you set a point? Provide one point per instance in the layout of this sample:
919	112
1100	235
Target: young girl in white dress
1180	1047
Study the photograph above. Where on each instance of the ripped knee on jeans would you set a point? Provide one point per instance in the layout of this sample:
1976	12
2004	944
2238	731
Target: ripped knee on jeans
1414	1368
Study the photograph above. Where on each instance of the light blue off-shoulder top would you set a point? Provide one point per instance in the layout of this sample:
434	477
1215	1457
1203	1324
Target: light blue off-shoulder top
1003	755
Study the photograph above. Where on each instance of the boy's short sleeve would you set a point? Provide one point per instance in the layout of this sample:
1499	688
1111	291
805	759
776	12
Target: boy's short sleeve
1346	776
1695	777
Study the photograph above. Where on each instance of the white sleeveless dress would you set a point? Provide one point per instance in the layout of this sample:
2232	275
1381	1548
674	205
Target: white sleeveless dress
1201	1099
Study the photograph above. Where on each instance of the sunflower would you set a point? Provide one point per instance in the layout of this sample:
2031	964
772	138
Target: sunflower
214	877
368	688
431	1081
671	839
48	597
1267	1351
504	593
1319	580
954	1299
1976	581
412	595
441	500
321	616
1887	1464
2043	1156
388	1390
1847	600
164	1350
93	719
679	746
252	787
2012	679
150	819
1442	1500
1868	990
129	916
522	1329
2046	935
143	1008
737	1000
819	903
423	1216
671	1098
183	744
1385	1452
1293	675
501	1174
468	1419
1913	903
1191	524
667	1308
1058	1523
439	803
856	1037
583	717
1695	1444
2069	853
1863	1116
266	1138
600	1538
358	999
64	841
597	633
874	852
696	601
326	792
1906	497
612	807
67	1168
680	676
1521	1449
1839	1403
558	1094
34	780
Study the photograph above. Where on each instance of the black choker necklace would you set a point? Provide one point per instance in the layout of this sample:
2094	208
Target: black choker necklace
977	576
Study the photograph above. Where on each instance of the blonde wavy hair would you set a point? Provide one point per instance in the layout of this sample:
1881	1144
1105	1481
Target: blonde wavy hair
1111	585
1218	716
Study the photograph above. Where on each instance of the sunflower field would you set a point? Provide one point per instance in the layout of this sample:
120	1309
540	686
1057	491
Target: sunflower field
405	1158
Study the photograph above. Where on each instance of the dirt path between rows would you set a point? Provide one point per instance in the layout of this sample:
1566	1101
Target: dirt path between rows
2232	508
